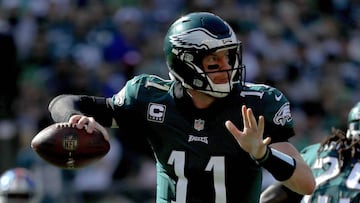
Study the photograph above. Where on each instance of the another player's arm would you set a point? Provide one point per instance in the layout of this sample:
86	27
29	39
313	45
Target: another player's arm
282	159
278	193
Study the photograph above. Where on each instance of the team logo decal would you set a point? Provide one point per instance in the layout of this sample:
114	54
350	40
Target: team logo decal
70	142
198	38
199	124
283	115
156	112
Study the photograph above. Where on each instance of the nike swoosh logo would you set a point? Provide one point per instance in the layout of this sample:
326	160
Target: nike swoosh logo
278	97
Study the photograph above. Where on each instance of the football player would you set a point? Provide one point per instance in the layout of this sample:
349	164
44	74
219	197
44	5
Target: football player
335	165
211	133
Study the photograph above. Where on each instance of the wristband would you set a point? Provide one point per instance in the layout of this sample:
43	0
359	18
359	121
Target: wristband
279	164
264	158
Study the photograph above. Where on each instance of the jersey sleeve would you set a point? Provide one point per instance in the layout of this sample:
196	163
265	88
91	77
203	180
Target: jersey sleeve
131	112
134	93
139	91
125	101
131	102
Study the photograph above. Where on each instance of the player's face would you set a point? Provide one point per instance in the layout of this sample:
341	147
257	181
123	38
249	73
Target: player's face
217	66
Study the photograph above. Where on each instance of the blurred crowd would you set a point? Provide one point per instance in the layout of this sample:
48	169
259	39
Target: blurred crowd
309	49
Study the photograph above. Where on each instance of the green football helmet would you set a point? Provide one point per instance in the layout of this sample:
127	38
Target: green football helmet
353	131
192	37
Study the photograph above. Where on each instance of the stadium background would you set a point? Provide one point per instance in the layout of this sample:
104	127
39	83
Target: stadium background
309	49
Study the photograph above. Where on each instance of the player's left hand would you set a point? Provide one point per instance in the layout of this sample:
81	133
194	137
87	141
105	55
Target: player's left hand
251	138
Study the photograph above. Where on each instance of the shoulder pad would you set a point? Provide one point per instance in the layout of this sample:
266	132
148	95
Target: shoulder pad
158	83
264	92
146	81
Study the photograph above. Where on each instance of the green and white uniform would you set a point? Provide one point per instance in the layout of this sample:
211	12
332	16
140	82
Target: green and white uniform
333	185
198	160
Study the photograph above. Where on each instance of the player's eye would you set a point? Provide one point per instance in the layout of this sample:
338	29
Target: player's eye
212	59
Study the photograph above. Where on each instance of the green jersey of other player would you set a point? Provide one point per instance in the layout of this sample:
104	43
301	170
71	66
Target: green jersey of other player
194	155
334	183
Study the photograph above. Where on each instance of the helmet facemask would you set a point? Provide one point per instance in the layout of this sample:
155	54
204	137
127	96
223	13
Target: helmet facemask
211	88
353	131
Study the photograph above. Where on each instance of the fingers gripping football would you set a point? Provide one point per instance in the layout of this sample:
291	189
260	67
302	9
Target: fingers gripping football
89	123
251	137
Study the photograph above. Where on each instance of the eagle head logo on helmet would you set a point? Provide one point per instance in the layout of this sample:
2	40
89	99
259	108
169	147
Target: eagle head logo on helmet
189	39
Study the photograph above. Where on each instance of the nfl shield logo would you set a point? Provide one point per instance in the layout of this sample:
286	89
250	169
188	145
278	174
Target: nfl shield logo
70	142
199	124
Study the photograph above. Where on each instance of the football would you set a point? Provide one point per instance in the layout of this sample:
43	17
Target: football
66	146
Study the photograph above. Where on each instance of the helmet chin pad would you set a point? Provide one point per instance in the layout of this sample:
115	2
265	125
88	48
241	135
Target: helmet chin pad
220	90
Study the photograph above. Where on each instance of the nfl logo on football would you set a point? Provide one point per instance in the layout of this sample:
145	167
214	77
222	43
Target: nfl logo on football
70	142
199	124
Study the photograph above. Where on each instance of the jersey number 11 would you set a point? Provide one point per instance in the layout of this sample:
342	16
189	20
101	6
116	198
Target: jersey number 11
215	164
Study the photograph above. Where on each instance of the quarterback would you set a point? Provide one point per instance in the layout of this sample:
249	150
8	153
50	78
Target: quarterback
211	132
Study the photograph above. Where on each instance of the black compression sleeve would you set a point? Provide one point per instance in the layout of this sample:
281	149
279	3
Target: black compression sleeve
98	107
64	106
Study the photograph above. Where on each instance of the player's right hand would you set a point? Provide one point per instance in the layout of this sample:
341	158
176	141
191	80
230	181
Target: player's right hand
89	123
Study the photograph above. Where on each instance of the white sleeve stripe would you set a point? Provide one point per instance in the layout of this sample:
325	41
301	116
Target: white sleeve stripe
288	159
